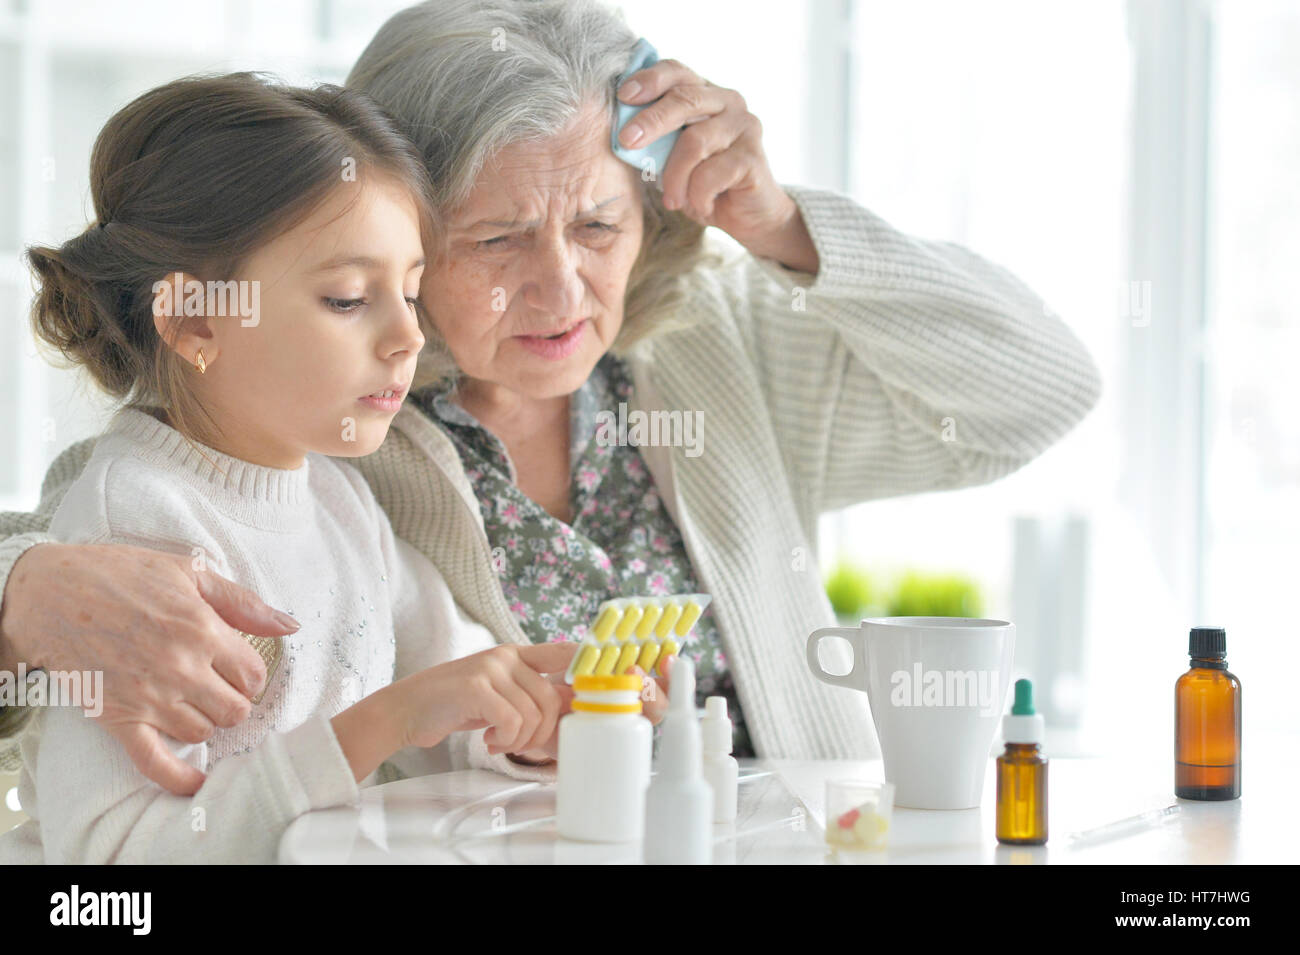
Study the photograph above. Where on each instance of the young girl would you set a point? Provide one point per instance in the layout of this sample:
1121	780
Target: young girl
249	292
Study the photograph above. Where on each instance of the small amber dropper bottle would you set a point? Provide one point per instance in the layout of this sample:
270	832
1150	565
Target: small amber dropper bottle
1022	774
1207	721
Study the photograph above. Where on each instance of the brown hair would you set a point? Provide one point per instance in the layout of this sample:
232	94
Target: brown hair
192	177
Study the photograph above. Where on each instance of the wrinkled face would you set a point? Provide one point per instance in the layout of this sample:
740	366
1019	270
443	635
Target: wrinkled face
529	295
337	325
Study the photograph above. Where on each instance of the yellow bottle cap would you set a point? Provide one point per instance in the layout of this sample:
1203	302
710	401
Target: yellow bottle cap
598	684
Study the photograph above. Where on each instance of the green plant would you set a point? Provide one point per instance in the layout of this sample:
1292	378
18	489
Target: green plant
849	588
935	595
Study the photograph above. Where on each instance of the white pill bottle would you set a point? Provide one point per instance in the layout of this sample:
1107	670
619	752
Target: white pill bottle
604	761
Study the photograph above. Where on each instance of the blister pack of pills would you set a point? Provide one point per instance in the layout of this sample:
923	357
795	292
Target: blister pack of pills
636	631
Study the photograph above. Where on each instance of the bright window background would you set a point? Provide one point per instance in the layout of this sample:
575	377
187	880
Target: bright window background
1010	126
759	52
65	67
1007	131
1253	347
1004	125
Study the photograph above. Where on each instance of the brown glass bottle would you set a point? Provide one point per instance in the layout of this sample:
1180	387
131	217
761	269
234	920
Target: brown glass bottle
1022	774
1207	722
1022	795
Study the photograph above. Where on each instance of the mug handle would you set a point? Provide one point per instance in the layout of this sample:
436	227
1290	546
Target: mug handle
854	636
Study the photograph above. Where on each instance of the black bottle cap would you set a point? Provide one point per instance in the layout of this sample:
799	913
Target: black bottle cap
1208	642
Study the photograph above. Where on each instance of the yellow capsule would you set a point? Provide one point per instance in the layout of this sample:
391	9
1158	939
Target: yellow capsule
630	617
671	613
649	654
647	623
608	657
605	625
587	658
689	616
667	648
626	657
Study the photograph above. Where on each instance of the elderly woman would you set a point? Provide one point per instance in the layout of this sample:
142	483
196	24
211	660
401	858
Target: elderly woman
828	360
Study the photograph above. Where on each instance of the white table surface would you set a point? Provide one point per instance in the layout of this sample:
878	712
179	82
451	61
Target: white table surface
475	817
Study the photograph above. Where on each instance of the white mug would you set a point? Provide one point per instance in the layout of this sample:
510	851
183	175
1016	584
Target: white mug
936	686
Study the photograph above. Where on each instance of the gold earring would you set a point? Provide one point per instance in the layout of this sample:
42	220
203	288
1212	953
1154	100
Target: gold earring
200	364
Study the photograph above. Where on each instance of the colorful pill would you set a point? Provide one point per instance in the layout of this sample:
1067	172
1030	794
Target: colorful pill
671	613
688	618
626	657
649	654
630	617
647	623
587	658
605	625
608	657
869	827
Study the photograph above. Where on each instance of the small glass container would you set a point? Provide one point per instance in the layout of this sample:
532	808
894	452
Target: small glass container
858	814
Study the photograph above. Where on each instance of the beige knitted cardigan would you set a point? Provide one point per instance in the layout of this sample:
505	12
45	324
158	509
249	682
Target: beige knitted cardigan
903	366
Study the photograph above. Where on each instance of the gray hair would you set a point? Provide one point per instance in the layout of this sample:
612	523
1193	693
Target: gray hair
466	78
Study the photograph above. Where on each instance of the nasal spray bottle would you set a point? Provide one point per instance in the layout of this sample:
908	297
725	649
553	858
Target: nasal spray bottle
679	803
721	771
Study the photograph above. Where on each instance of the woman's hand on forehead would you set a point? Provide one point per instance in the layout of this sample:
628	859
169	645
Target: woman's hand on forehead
717	173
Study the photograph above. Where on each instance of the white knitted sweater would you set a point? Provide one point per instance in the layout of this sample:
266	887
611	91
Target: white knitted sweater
815	393
314	542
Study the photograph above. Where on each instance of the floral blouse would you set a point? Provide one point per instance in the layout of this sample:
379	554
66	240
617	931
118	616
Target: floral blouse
622	541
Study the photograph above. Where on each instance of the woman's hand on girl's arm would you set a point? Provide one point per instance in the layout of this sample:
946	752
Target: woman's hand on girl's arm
163	634
717	173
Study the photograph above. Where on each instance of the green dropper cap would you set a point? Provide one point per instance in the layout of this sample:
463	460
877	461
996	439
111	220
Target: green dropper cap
1024	705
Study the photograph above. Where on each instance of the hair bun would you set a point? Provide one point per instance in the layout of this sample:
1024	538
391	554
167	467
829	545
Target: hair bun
76	308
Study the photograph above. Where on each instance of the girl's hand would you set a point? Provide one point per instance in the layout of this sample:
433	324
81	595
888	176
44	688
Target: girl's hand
654	693
654	706
505	688
717	173
164	634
